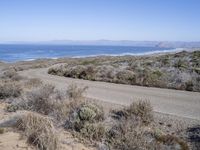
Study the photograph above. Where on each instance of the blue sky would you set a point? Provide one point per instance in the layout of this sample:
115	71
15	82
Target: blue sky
43	20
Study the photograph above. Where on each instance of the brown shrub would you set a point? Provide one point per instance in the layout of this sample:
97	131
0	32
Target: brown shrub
139	110
49	101
8	89
172	140
93	132
12	74
39	130
142	109
34	82
74	92
39	100
129	135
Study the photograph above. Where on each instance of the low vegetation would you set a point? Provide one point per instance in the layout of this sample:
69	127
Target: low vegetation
176	71
8	89
46	111
39	130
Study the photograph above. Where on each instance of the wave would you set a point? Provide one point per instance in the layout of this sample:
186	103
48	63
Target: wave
137	54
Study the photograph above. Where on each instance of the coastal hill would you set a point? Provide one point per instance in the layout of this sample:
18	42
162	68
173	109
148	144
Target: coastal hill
103	42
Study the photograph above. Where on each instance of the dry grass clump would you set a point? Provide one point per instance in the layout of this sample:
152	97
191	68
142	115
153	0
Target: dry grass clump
93	131
128	135
10	89
39	130
39	99
74	92
129	132
172	140
34	82
140	110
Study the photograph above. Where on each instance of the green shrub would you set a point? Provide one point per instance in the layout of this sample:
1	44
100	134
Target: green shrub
180	64
91	112
12	108
84	114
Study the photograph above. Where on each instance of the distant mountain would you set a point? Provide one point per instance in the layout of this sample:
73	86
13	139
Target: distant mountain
164	44
179	44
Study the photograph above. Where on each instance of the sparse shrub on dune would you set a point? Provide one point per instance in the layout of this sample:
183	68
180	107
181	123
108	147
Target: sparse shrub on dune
11	74
46	100
74	92
10	89
40	100
141	110
34	82
135	129
127	135
39	130
93	131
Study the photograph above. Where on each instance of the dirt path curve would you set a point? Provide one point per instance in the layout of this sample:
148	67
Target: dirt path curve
174	102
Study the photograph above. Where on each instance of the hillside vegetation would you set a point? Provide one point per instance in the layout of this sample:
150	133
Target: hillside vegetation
179	71
45	116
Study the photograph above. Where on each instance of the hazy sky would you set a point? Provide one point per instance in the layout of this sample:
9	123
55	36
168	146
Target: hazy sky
41	20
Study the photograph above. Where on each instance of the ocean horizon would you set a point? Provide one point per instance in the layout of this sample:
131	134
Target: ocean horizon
27	52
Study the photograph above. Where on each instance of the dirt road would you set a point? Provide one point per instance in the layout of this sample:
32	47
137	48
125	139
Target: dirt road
179	103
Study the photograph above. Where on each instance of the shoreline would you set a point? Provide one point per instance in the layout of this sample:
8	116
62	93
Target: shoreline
150	53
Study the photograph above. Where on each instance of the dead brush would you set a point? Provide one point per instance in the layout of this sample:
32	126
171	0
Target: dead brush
34	82
74	92
10	89
11	74
129	135
39	100
39	130
142	109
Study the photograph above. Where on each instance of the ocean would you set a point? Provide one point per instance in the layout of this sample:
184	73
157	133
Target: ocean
13	52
